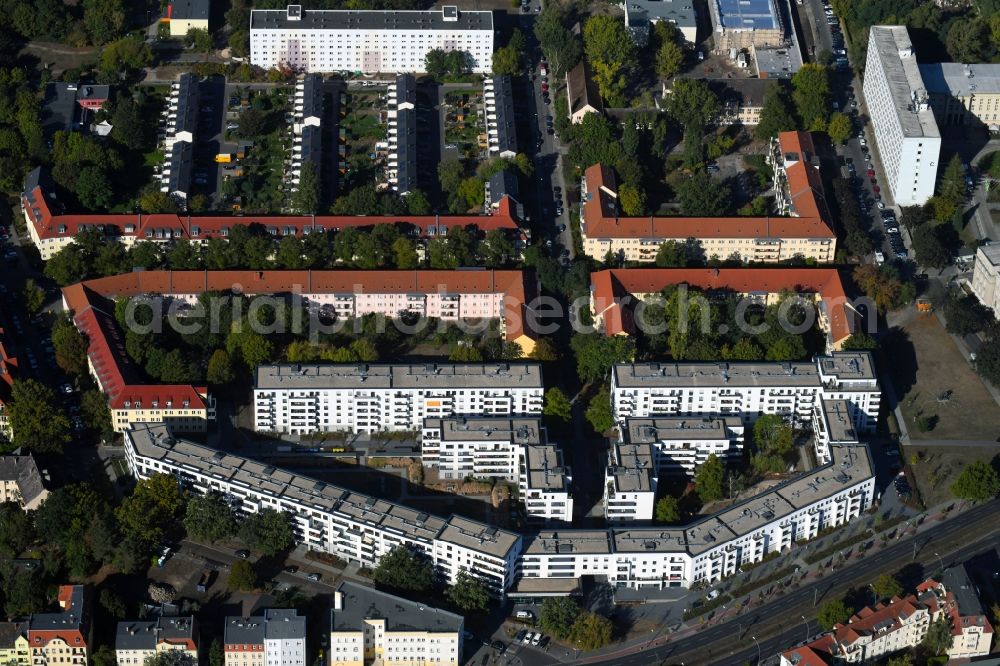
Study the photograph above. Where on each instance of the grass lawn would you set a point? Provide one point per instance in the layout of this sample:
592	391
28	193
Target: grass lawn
939	466
926	364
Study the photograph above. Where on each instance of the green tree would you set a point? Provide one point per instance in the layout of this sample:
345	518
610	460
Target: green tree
545	350
886	587
595	354
404	569
112	604
700	195
209	518
833	613
669	58
507	61
558	615
16	530
124	57
216	655
557	405
23	594
988	361
103	20
938	638
151	511
591	631
465	353
560	46
35	418
612	55
599	413
199	40
966	315
469	594
305	200
96	414
772	434
968	40
242	577
839	128
901	660
978	482
417	203
671	254
33	296
220	368
929	248
811	95
859	341
693	104
776	115
667	510
632	199
268	531
709	479
289	254
496	249
93	189
146	254
951	184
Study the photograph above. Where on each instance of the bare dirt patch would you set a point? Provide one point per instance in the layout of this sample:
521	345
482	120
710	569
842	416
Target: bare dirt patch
932	378
939	466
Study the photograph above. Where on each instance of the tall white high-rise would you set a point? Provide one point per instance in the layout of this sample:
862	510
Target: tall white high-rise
906	132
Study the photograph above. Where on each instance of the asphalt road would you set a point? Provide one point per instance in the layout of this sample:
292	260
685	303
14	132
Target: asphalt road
778	625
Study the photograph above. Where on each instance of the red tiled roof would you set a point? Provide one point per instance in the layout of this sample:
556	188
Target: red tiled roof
93	312
804	656
608	287
166	226
601	217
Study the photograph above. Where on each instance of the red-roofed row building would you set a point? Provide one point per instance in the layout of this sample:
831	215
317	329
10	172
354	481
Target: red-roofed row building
8	372
873	633
802	231
447	295
615	292
51	230
62	639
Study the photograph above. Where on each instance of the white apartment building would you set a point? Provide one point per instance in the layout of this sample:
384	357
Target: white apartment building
369	41
284	638
986	277
629	483
514	449
906	133
832	425
680	444
368	626
307	398
718	545
356	527
362	528
748	389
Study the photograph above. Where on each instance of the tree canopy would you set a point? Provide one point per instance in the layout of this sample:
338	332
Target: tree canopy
612	55
469	594
833	613
36	420
709	479
558	615
268	531
886	586
978	481
557	405
404	569
667	510
599	413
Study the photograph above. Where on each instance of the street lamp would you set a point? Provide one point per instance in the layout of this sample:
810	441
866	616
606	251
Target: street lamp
807	627
940	561
758	648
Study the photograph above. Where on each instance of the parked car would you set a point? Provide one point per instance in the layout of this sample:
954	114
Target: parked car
243	554
314	577
879	257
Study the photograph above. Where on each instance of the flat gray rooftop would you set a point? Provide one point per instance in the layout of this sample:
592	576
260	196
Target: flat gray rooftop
568	542
284	624
903	77
154	440
343	19
364	603
680	12
961	80
668	428
849	366
837	421
526	430
545	469
688	375
634	471
244	631
426	376
991	253
649	540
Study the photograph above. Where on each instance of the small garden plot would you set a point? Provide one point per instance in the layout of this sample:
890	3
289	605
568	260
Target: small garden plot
260	186
464	122
361	130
